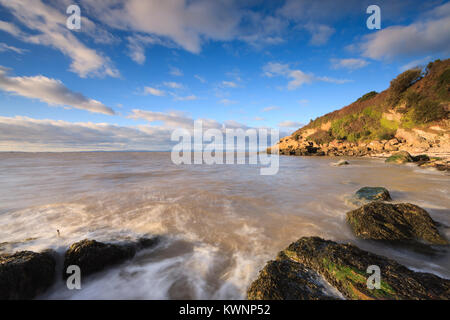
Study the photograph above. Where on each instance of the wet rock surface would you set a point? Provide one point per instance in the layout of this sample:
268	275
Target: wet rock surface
400	157
340	163
93	256
402	222
25	274
368	194
344	266
284	279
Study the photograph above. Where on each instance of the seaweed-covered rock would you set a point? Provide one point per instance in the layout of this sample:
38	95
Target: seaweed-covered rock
284	279
400	157
25	274
344	266
402	222
92	256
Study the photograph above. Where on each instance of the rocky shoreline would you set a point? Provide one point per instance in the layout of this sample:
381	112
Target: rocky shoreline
316	269
26	274
426	157
311	268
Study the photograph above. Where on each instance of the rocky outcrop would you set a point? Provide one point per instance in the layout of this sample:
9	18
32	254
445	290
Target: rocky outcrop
369	194
284	279
436	163
343	266
394	150
92	256
25	274
400	157
402	222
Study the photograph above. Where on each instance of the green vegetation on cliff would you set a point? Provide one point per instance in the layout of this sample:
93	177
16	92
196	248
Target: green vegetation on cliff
415	98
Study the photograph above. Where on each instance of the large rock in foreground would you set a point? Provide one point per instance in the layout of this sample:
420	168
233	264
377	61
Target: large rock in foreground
284	279
92	256
344	266
402	222
25	274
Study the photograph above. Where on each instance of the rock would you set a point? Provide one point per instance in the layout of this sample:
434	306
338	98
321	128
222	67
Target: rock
441	165
369	194
421	158
343	266
400	157
340	163
92	256
284	279
402	222
25	274
376	146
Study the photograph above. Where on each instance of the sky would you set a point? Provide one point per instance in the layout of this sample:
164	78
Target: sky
138	69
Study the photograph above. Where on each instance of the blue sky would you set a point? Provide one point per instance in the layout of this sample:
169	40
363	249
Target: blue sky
138	69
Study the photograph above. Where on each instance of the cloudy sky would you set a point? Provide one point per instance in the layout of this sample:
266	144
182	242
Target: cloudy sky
138	69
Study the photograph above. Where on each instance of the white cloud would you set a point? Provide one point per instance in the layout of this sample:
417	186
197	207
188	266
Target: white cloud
186	23
351	63
50	91
229	84
136	46
27	134
297	77
175	72
431	34
186	98
4	47
174	119
290	124
154	91
227	101
49	29
171	119
173	85
416	63
270	108
259	119
320	33
199	78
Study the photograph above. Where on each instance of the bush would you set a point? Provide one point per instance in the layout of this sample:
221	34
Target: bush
412	98
443	84
384	134
389	124
321	137
403	82
367	96
427	111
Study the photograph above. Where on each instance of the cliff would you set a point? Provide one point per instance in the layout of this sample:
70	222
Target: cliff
411	115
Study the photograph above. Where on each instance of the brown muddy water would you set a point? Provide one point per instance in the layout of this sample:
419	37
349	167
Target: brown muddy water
219	223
